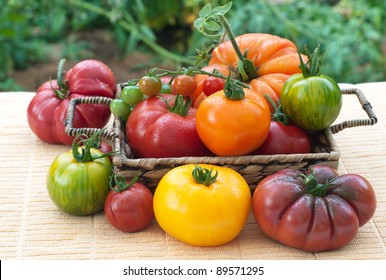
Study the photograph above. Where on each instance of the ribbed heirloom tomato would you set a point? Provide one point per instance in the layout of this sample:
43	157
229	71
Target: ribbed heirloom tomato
315	210
202	205
275	60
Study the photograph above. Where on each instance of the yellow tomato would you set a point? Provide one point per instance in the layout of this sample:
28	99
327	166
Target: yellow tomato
198	213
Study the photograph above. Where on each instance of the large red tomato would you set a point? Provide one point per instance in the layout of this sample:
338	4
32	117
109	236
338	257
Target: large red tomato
317	210
47	110
158	128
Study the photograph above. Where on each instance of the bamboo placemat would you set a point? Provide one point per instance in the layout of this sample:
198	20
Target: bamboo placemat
31	227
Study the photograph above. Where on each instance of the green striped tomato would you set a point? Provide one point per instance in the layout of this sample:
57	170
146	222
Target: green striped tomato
79	188
312	103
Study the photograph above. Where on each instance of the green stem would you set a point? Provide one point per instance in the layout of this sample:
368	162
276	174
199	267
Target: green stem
118	183
181	104
278	115
131	28
313	187
247	70
204	176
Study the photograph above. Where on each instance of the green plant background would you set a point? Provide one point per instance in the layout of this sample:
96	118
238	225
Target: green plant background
352	32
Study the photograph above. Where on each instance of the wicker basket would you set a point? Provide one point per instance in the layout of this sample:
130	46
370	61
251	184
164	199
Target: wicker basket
252	167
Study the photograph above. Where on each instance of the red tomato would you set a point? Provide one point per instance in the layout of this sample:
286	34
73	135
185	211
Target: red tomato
212	85
317	210
284	139
184	85
153	131
131	209
47	111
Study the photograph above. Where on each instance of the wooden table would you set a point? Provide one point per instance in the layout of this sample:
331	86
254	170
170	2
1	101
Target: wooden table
31	227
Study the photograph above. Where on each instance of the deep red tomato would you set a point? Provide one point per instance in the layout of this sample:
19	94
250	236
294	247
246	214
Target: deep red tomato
184	85
212	84
284	139
47	110
129	206
315	210
155	132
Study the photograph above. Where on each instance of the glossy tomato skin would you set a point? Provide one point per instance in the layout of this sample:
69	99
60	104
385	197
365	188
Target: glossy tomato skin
284	139
130	210
79	188
311	103
47	112
202	215
286	212
154	132
233	127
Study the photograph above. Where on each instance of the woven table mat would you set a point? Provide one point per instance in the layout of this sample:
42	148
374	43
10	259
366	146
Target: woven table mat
31	227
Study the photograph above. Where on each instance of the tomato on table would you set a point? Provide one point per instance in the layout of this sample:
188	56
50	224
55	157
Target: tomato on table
78	181
315	210
129	205
202	205
47	110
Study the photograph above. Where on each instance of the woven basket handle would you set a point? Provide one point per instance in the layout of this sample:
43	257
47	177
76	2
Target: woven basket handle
69	122
366	106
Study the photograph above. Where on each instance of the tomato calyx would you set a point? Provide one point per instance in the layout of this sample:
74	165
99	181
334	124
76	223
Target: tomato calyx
63	91
181	106
314	63
232	90
118	183
312	185
204	176
278	114
82	144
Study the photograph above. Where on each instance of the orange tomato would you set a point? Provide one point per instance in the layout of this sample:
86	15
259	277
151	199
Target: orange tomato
275	58
233	127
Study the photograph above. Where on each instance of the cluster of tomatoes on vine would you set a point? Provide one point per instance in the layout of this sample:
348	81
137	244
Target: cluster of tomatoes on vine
181	82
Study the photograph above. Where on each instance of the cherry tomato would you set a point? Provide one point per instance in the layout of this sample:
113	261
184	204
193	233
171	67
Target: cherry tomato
150	85
131	95
129	206
212	85
166	88
184	85
120	108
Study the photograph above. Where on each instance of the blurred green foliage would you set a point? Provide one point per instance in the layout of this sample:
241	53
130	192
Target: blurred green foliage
352	32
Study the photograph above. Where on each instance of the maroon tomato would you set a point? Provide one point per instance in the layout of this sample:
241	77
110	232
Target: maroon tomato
129	206
315	210
184	84
212	84
47	110
164	126
284	139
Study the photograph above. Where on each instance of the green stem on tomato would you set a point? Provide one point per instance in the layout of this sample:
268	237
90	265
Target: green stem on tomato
118	183
313	187
247	70
278	114
204	176
181	104
81	147
314	63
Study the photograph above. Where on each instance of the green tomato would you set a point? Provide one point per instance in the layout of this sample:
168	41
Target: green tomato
131	95
312	103
166	88
120	108
79	188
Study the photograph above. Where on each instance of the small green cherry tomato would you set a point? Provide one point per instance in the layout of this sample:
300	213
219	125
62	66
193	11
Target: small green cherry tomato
150	85
120	108
131	95
166	88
